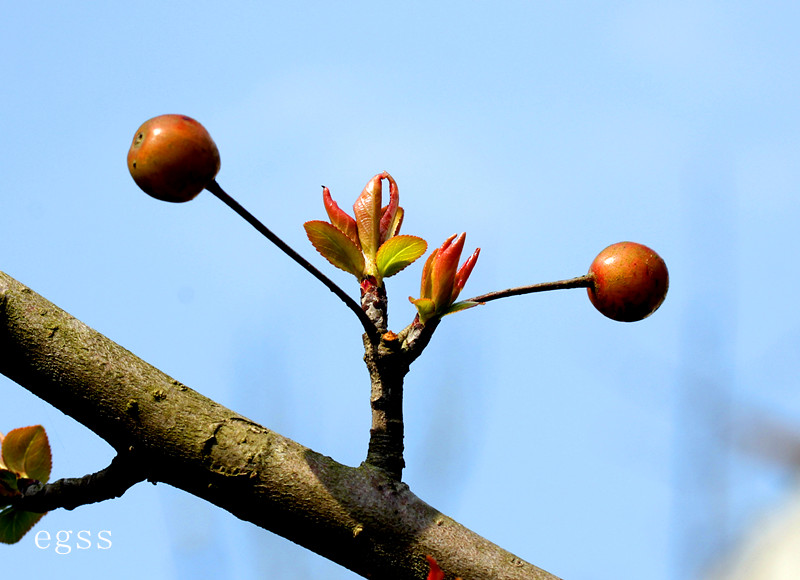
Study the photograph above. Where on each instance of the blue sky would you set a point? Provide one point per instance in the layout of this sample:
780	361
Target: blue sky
546	131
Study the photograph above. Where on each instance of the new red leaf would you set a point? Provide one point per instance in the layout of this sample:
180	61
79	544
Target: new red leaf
443	273
367	210
338	217
389	222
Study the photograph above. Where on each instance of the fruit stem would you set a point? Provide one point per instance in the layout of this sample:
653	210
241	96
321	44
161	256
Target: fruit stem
584	281
368	325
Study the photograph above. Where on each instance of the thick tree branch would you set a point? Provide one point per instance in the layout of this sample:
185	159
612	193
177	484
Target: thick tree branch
357	517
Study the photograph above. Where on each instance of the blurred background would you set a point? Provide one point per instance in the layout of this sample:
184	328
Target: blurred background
665	449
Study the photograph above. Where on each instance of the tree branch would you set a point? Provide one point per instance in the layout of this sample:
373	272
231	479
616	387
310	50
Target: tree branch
69	493
388	361
584	281
387	367
357	517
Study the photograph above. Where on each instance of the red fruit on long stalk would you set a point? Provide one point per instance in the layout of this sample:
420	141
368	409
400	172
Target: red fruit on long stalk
173	158
629	281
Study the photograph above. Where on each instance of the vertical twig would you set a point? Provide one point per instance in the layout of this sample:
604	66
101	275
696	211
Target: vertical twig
388	366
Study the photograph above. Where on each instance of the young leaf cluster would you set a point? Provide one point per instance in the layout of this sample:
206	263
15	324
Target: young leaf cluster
24	459
368	243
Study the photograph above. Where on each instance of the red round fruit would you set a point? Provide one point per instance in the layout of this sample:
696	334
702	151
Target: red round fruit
629	281
173	158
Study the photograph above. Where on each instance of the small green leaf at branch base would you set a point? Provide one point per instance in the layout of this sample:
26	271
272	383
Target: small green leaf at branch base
26	452
398	252
14	524
459	306
426	308
335	247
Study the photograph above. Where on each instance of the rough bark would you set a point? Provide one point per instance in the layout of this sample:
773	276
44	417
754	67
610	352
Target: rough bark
358	517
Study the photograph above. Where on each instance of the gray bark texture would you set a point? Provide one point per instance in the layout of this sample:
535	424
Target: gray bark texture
359	517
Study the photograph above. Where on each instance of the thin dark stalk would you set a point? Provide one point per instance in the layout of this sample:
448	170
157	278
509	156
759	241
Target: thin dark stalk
369	327
584	281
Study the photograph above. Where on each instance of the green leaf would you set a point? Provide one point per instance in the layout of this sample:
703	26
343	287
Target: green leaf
459	306
426	308
8	483
26	451
16	523
398	252
335	247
